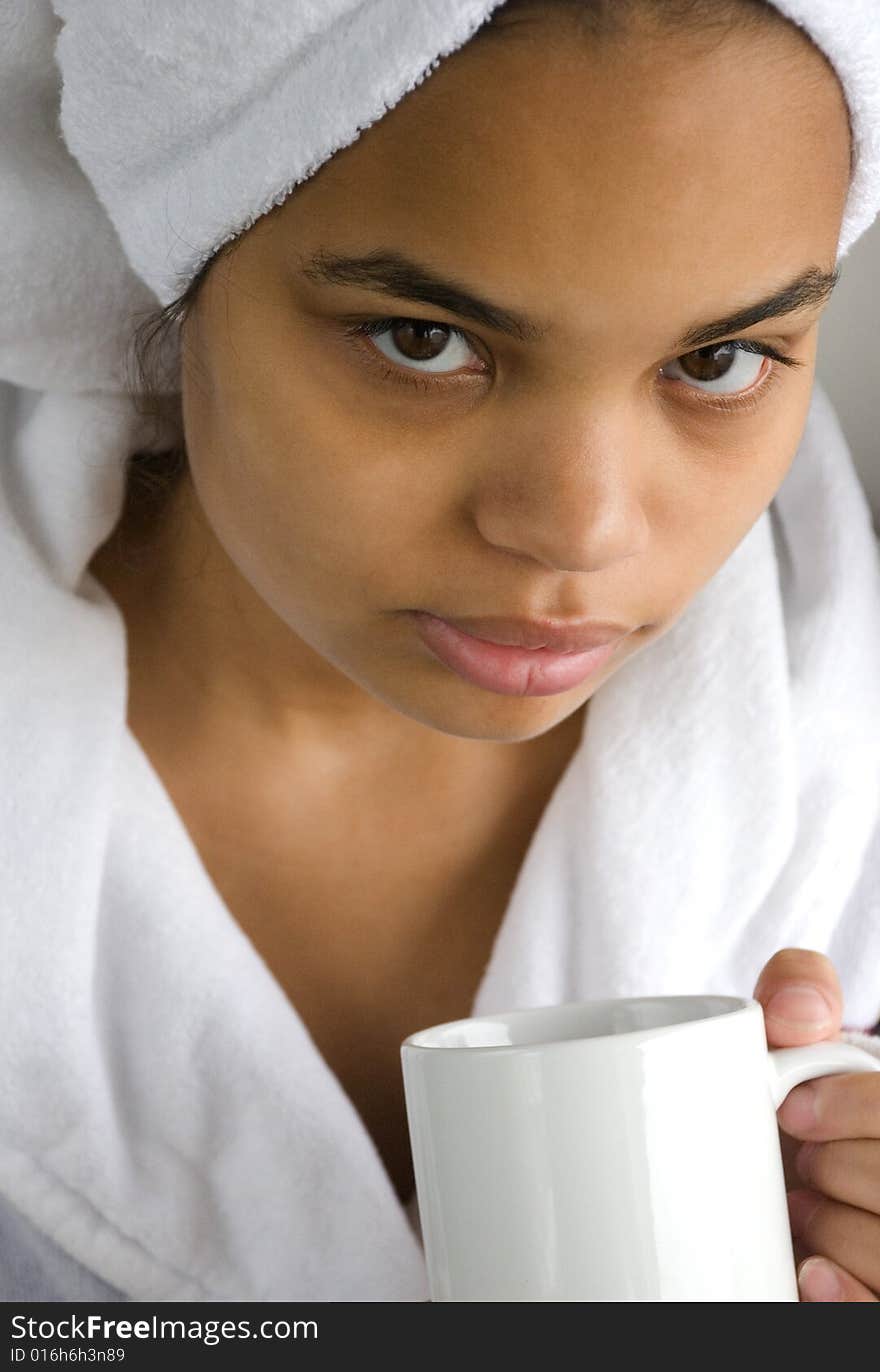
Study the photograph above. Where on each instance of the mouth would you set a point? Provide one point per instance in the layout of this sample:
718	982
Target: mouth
559	635
515	668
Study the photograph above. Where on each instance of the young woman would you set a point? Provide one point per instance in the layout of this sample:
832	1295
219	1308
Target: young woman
469	422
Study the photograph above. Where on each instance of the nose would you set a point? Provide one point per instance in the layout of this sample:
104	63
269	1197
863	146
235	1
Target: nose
568	497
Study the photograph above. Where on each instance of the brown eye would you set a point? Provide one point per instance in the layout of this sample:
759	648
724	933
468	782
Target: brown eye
419	345
708	364
419	340
722	368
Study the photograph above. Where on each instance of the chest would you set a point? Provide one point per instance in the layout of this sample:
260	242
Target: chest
376	919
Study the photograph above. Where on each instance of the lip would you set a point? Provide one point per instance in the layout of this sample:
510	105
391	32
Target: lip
511	668
559	635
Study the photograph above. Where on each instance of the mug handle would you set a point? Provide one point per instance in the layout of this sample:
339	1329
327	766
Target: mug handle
788	1067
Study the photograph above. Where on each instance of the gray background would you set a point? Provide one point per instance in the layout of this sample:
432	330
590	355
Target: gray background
848	358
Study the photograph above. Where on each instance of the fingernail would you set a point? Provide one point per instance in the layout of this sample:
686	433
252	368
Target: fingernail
798	1113
801	1205
799	1007
818	1281
803	1160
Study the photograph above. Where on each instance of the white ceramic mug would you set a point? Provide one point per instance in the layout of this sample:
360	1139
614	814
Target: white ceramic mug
607	1150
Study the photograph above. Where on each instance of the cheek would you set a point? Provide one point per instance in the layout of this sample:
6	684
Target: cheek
750	455
768	457
724	483
308	510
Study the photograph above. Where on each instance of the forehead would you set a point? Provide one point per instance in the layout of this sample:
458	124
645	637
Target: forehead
575	175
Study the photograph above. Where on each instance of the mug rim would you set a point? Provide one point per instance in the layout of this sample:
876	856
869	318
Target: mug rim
731	1005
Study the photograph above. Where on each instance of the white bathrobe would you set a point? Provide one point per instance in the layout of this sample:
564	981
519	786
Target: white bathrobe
168	1128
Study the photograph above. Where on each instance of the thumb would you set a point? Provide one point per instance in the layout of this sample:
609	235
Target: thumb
801	997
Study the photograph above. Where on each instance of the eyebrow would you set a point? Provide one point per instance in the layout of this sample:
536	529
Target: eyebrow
394	274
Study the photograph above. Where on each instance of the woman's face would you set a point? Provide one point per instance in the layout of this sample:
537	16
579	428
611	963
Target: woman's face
616	195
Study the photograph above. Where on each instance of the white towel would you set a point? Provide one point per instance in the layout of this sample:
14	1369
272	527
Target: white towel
66	289
164	1114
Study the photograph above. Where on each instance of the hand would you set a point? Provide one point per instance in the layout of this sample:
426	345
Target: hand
830	1137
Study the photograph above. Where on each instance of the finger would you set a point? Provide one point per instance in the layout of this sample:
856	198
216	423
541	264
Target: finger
793	1182
843	1106
789	1147
848	1236
820	1280
801	997
847	1171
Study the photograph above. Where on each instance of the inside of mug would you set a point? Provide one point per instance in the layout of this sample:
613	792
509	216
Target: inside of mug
575	1020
